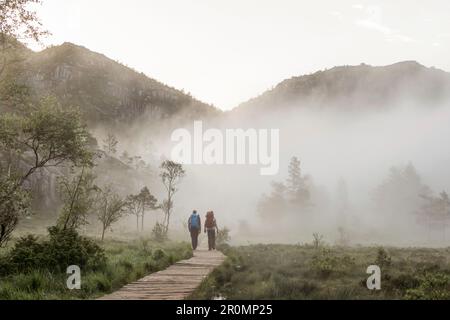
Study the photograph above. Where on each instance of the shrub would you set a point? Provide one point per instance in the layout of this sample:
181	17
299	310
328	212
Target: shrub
433	286
62	249
127	265
404	282
291	288
159	254
5	266
66	248
317	240
324	263
97	282
159	233
145	247
223	237
383	258
26	255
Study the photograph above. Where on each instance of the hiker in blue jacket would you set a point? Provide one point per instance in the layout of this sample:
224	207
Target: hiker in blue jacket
194	225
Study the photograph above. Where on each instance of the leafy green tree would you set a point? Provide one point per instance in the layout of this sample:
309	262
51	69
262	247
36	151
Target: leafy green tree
17	22
15	204
138	204
13	95
111	209
79	194
47	136
171	174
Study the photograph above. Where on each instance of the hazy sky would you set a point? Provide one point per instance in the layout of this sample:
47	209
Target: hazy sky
227	51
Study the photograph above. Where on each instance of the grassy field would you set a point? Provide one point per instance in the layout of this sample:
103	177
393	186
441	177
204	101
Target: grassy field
127	261
308	272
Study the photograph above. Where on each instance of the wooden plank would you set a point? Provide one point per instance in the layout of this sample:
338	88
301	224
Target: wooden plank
174	283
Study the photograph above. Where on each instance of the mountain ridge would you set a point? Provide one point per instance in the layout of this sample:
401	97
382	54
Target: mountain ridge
111	92
373	86
106	90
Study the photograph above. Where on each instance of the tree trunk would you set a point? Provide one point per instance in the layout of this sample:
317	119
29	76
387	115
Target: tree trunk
72	201
142	222
103	234
137	223
168	222
169	208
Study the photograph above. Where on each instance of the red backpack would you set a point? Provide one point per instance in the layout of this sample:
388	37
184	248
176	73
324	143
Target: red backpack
210	220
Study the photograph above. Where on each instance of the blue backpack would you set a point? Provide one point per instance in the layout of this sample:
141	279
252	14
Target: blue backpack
195	221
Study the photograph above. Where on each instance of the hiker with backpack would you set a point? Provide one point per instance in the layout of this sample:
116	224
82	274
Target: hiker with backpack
211	228
195	226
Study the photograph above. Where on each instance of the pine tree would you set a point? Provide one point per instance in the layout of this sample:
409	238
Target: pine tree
297	188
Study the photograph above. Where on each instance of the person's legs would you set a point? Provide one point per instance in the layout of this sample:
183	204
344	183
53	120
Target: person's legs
213	239
210	239
196	232
194	238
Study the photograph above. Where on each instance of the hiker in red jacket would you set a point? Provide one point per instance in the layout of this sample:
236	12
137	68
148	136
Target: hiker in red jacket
211	228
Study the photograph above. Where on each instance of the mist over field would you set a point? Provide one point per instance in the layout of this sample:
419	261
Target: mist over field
369	144
345	154
362	150
224	150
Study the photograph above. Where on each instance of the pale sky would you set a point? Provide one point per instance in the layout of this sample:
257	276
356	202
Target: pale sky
225	52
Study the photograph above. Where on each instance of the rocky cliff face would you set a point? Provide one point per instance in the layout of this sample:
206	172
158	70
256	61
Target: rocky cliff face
109	94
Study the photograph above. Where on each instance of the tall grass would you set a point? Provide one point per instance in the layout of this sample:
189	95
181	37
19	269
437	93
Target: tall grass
306	272
126	262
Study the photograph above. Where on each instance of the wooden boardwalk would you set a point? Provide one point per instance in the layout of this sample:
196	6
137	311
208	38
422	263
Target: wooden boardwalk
174	283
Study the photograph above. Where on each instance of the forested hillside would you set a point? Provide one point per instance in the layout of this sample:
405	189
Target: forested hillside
362	88
105	90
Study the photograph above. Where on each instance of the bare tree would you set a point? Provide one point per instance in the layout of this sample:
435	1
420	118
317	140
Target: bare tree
110	144
171	175
111	209
79	194
133	206
148	202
